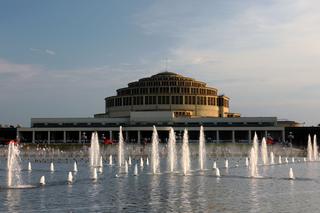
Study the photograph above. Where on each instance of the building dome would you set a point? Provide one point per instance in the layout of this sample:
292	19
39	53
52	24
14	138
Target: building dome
167	91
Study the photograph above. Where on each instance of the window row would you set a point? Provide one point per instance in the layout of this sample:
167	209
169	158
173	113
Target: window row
153	100
156	90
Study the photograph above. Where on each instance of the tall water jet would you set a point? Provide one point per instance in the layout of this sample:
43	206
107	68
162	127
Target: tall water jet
121	147
315	148
185	153
280	159
253	163
75	167
271	158
264	152
135	172
141	162
94	174
129	161
172	150
256	146
101	162
110	160
202	149
155	151
309	149
51	167
29	166
214	166
94	152
13	165
217	172
70	178
291	175
147	161
42	181
126	169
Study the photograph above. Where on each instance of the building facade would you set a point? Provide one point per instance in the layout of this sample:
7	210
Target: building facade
165	100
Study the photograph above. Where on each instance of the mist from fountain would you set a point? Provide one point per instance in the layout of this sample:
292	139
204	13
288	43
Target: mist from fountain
264	152
202	149
309	149
13	165
185	160
155	151
315	149
172	153
120	148
94	151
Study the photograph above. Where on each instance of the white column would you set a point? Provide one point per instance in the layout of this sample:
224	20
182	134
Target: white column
110	132
48	137
33	136
79	137
139	137
233	136
64	137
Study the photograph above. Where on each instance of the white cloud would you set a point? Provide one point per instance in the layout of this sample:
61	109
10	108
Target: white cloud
42	51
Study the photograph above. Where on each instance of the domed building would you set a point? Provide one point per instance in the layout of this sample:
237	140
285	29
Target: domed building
165	100
168	91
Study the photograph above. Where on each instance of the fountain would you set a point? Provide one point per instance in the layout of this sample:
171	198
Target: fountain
121	147
247	161
291	176
147	161
75	167
29	166
280	159
292	159
101	162
271	158
286	160
51	167
185	153
129	161
141	162
264	152
13	165
214	165
253	163
172	150
155	151
110	160
226	164
94	151
70	178
100	169
126	167
94	174
42	181
309	149
217	172
135	172
315	149
202	149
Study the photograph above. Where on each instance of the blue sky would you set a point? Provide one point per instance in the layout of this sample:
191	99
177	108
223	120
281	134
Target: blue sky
61	58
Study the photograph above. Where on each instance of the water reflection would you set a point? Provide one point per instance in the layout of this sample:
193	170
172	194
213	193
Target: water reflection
13	200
